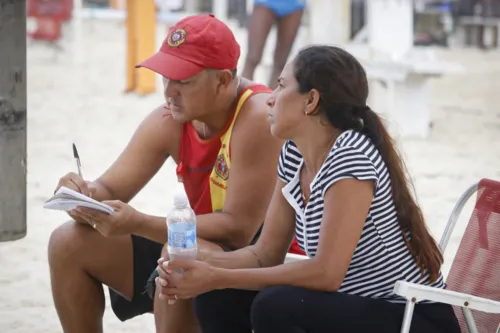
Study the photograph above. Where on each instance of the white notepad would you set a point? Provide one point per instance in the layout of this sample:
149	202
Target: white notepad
66	199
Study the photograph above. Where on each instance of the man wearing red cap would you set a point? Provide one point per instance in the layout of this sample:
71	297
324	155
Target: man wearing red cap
214	125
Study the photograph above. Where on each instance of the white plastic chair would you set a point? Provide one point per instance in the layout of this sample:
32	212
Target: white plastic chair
473	284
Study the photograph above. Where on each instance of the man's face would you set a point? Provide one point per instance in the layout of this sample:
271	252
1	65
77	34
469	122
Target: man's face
191	98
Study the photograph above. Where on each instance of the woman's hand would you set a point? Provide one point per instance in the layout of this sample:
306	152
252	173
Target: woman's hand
121	222
183	279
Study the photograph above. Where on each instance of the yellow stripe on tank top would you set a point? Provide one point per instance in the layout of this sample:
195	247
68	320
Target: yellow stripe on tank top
220	173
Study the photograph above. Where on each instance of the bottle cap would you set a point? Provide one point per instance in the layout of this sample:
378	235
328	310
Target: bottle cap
180	199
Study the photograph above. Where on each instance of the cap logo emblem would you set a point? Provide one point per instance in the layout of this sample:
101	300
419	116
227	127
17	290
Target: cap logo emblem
176	38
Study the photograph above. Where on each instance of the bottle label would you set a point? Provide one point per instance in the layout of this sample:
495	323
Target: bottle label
181	235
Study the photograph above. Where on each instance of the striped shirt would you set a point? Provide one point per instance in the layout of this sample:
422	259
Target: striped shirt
381	257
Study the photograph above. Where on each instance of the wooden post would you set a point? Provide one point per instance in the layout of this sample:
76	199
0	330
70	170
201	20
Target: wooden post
12	120
141	37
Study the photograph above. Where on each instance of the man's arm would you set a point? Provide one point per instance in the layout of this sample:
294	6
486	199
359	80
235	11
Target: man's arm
144	155
156	138
254	160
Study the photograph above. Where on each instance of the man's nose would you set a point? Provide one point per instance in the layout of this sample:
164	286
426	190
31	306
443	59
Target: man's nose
170	88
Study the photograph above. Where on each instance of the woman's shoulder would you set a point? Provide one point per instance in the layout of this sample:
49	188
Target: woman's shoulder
351	144
352	139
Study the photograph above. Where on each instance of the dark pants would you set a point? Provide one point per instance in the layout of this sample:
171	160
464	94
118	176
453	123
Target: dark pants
297	310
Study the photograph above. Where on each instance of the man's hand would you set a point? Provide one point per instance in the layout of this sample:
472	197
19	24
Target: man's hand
122	221
76	183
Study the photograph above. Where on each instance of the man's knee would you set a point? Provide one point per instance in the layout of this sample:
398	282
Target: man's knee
65	241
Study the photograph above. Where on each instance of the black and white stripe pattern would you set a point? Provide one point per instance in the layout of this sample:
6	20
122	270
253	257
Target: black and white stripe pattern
381	256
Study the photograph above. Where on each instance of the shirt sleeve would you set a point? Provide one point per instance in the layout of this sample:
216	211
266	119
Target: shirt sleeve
282	164
349	162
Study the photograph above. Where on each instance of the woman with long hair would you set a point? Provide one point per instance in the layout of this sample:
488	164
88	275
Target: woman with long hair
343	190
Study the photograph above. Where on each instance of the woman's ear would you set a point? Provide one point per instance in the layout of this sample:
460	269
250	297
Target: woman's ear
312	102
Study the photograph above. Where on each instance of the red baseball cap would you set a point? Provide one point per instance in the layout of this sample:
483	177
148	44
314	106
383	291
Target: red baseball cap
195	43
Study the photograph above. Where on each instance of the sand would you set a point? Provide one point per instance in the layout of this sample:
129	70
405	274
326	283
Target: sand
85	104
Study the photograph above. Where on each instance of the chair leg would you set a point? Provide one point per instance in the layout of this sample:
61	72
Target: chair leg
469	319
410	305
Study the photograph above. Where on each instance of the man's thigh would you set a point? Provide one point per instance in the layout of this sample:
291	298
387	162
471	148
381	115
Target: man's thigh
145	256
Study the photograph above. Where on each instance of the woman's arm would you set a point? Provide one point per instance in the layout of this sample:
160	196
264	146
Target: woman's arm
273	243
270	250
347	203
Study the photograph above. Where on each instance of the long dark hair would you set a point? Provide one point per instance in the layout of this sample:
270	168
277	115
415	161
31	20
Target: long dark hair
343	88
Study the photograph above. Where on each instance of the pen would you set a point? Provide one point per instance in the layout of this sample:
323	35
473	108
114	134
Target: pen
77	158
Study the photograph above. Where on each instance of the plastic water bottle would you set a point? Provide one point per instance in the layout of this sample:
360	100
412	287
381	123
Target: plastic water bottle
181	225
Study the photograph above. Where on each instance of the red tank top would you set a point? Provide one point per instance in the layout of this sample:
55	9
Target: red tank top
204	165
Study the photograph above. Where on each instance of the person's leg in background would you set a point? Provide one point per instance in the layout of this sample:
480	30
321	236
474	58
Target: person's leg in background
261	21
290	17
225	311
299	310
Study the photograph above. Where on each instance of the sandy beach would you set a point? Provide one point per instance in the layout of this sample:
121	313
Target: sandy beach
85	104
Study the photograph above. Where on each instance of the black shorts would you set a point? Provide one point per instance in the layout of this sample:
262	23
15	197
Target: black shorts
145	256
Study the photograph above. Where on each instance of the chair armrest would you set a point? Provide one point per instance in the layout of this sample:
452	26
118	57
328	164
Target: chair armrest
291	257
420	292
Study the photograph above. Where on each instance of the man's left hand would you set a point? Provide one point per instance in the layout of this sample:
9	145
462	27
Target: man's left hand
121	222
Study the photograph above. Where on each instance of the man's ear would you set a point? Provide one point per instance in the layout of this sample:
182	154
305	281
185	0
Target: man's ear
224	78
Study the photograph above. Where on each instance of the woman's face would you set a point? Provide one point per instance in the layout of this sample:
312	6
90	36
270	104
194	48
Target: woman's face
287	106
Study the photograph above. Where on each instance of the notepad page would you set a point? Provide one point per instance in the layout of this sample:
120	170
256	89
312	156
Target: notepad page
67	199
